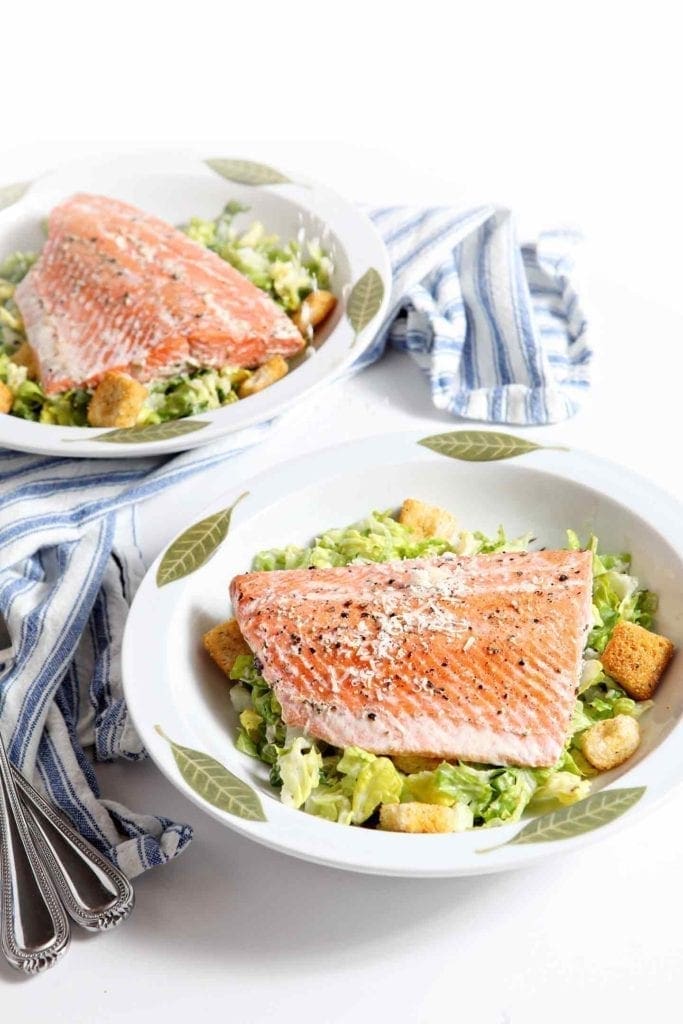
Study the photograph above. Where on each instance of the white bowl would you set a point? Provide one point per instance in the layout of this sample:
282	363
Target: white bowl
170	681
176	186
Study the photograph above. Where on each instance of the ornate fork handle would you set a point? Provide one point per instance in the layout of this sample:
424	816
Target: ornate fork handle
34	928
95	893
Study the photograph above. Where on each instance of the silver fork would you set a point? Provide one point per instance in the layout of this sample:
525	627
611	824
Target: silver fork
95	893
47	867
34	928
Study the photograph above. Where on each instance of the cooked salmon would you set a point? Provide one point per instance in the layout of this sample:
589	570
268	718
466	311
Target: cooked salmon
118	289
475	657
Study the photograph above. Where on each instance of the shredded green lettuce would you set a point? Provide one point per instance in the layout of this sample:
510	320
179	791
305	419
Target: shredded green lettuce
378	538
68	409
288	271
494	795
558	787
299	769
331	803
424	788
348	786
187	394
493	545
244	668
617	594
12	270
369	781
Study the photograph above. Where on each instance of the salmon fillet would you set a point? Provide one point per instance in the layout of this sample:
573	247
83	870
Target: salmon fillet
476	657
118	289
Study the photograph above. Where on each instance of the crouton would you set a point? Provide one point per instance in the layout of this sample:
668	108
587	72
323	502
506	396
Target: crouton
6	398
411	763
428	520
25	356
273	369
315	308
415	817
636	658
225	643
117	401
609	743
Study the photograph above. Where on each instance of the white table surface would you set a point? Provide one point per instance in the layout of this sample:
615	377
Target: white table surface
234	931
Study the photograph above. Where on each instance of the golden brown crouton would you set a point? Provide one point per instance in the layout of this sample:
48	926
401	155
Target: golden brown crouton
609	743
428	520
25	356
224	643
410	763
636	658
315	308
416	817
117	401
6	398
273	369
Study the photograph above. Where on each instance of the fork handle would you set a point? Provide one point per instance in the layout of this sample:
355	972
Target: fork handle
95	893
34	928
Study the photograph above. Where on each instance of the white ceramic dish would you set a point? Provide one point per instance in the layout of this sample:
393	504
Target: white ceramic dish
177	186
170	681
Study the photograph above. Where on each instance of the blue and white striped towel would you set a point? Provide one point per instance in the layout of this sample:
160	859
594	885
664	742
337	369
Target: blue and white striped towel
497	329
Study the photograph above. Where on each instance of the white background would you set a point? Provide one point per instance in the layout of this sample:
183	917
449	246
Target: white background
569	115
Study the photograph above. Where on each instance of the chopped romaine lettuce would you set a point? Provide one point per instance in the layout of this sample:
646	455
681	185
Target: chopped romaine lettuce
288	271
330	802
378	538
12	271
494	795
253	724
10	318
31	402
423	787
244	668
188	394
369	781
69	409
11	374
617	594
352	762
299	768
240	697
183	395
591	673
492	545
14	268
558	787
378	783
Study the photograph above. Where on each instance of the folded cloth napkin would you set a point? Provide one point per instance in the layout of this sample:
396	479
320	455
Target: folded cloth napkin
495	326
